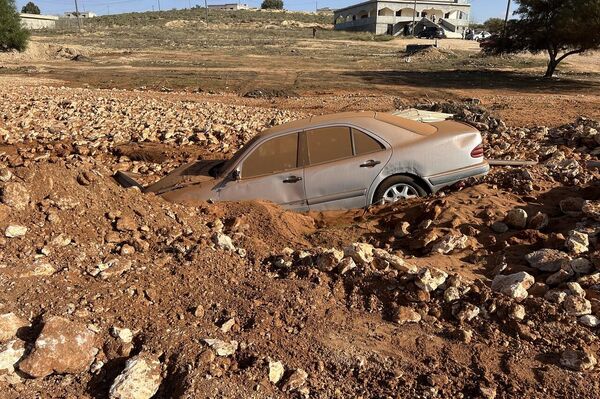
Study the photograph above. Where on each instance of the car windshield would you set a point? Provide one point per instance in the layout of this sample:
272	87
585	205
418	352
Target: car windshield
220	168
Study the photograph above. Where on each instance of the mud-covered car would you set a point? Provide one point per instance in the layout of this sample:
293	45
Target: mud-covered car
339	161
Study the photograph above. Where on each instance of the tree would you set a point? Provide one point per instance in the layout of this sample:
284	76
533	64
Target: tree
272	5
494	25
12	34
559	27
31	8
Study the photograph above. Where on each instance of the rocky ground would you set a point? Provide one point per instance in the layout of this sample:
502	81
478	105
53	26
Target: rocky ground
490	289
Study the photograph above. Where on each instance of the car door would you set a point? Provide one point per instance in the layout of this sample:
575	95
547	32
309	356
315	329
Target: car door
341	165
270	171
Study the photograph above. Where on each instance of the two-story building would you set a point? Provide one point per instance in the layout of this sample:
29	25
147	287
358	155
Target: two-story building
404	17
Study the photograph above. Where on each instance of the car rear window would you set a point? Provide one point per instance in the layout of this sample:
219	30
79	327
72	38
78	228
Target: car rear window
365	144
328	144
276	155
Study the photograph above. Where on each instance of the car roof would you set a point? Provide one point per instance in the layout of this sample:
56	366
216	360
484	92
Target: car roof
360	119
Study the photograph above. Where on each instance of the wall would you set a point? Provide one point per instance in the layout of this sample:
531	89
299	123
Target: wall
35	22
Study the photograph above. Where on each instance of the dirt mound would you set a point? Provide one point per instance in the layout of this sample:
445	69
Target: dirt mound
429	54
477	291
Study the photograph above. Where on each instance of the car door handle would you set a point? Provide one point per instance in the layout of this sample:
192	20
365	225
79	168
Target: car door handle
370	163
292	179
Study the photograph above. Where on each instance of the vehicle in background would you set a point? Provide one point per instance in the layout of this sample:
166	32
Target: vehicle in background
339	161
432	33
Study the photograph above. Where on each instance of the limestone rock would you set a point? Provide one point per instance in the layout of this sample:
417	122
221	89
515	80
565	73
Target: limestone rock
589	321
548	260
62	347
223	241
222	348
394	261
575	305
361	253
15	230
578	360
404	314
591	209
276	371
516	218
577	242
513	285
429	279
10	354
15	195
295	381
140	379
10	325
539	221
449	243
126	223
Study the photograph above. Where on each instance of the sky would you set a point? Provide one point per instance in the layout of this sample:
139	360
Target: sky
482	9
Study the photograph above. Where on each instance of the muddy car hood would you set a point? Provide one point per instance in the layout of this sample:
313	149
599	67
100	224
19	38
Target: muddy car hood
188	174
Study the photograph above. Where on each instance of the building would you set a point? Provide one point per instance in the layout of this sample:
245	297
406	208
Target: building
73	14
36	21
396	17
325	10
230	7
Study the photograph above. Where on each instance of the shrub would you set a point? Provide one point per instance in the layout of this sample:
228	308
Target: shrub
12	34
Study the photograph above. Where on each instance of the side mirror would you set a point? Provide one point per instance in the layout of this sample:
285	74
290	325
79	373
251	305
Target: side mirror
236	175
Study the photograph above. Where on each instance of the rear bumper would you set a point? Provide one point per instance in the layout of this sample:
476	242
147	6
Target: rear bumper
447	178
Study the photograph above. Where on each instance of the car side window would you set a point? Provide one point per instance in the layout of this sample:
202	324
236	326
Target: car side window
276	155
365	144
328	144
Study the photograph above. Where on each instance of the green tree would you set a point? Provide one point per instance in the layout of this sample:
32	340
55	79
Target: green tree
12	34
272	5
560	28
31	8
494	25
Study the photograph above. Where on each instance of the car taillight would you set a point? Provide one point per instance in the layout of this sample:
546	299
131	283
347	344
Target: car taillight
477	152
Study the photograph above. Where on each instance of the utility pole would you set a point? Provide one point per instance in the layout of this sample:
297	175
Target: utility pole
158	5
414	18
206	7
506	20
108	9
77	14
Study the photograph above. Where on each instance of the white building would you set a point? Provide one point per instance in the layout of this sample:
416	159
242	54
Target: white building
36	21
230	7
395	17
73	14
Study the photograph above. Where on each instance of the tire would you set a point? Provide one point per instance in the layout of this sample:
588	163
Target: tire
406	187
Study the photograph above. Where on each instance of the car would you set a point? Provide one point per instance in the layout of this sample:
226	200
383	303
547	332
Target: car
483	35
333	162
432	33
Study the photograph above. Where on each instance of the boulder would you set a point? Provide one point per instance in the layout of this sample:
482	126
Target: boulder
576	305
513	285
548	260
140	379
572	206
62	347
223	241
10	354
539	221
591	209
449	243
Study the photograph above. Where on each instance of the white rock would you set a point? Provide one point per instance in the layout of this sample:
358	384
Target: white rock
140	379
276	371
10	354
124	334
575	305
514	285
516	218
15	230
361	253
449	243
429	279
590	321
577	242
10	325
548	260
223	241
222	348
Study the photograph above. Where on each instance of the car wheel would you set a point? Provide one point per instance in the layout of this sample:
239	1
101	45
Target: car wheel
397	188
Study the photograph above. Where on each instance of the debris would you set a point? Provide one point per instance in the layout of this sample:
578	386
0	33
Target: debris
15	230
276	371
578	360
222	348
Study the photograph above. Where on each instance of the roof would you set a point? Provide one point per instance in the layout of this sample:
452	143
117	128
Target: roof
360	119
441	3
38	16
